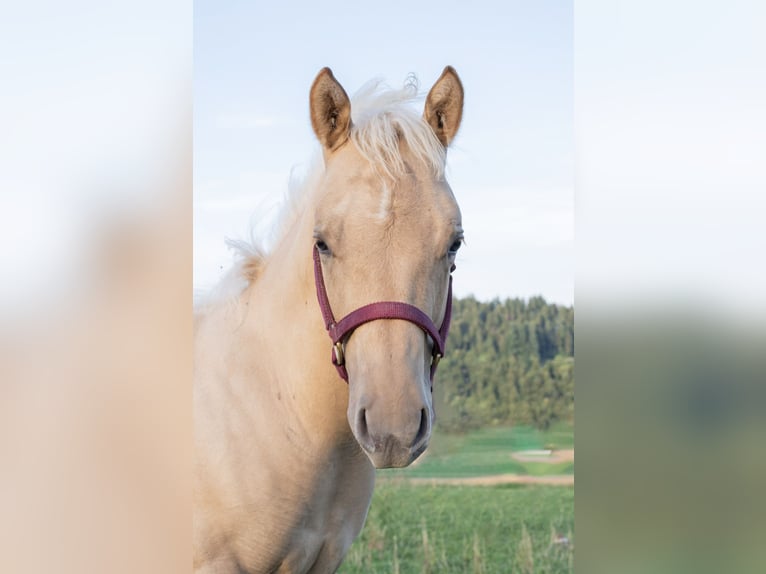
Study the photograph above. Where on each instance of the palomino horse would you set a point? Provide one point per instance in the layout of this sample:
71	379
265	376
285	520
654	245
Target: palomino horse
286	450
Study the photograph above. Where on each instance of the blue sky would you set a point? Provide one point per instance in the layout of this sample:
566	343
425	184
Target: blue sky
511	167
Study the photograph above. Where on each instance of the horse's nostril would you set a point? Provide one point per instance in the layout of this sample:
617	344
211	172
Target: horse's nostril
422	435
362	430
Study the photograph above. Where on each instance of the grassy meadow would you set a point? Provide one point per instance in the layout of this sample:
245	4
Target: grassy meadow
505	528
466	529
487	452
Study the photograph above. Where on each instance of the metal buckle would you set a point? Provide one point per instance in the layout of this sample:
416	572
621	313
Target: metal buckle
435	360
338	357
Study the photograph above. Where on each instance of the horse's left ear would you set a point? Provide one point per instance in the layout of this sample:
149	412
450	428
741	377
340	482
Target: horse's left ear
330	110
444	106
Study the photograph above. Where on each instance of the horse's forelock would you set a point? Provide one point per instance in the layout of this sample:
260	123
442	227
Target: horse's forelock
383	118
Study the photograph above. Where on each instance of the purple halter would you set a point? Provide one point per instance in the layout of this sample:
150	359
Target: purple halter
340	331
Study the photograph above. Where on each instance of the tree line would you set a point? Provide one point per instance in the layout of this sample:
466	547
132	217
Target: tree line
508	362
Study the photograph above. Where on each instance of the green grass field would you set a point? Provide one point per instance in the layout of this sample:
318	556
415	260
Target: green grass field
488	452
471	529
460	529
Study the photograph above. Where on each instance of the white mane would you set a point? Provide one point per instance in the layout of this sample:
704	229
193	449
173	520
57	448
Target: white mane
381	118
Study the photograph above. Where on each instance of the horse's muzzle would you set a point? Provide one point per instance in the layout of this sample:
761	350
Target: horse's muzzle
388	448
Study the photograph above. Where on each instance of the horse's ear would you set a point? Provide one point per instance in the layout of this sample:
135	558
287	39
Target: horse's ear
444	106
330	110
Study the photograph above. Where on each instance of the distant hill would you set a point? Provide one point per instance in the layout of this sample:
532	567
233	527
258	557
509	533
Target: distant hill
507	362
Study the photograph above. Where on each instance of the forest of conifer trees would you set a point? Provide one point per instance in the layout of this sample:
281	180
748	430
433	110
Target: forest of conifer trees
508	363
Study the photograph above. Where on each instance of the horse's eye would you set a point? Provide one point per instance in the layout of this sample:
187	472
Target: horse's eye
455	246
322	246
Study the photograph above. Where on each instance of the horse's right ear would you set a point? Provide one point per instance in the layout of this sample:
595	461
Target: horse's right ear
330	110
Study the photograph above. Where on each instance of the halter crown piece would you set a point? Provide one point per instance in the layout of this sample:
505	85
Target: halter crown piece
340	331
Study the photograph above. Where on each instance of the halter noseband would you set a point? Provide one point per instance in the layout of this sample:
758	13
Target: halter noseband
340	331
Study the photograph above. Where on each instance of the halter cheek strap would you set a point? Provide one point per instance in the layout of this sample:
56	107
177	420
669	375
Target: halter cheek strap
340	331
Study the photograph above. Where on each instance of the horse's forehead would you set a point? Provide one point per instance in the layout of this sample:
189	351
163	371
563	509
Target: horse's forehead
356	186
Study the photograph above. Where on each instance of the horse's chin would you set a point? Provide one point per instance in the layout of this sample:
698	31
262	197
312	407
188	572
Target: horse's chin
380	461
394	458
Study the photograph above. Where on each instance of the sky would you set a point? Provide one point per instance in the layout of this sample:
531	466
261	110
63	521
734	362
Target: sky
669	104
511	166
670	101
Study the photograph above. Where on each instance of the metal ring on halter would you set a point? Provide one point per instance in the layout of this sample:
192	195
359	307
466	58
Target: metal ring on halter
339	358
435	360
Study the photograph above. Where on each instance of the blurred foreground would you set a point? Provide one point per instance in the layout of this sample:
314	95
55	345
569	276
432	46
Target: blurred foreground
95	417
671	436
95	293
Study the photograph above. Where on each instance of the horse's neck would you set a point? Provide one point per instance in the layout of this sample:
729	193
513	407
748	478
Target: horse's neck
294	347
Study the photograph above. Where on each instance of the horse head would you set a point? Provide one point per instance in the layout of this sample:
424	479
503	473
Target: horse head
387	229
